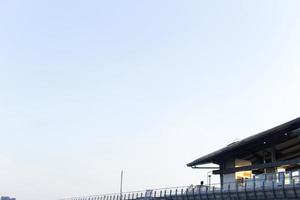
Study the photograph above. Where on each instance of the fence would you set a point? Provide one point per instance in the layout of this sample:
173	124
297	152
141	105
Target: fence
265	186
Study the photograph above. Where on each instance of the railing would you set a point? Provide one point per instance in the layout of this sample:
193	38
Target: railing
264	186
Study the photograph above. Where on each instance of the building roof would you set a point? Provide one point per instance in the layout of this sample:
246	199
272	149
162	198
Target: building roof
253	143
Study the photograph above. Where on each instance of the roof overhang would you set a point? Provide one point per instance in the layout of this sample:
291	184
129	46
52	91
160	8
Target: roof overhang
261	140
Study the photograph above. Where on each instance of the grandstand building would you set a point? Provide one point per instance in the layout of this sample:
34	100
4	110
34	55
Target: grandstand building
263	166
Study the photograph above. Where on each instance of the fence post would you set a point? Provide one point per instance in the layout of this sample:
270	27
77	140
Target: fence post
206	191
283	186
273	189
176	197
222	187
199	192
228	191
246	193
254	186
187	193
294	188
214	194
264	189
237	190
193	193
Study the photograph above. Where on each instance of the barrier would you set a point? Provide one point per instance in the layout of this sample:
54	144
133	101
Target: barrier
267	186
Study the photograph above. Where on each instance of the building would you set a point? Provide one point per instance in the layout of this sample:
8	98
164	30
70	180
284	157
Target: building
263	166
260	156
7	198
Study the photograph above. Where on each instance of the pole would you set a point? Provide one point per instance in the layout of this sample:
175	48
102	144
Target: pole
121	185
208	178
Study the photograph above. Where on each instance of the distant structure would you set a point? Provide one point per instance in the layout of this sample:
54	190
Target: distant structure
7	198
265	166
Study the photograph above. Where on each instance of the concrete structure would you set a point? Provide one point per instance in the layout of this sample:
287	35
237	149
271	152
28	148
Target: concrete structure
274	150
263	166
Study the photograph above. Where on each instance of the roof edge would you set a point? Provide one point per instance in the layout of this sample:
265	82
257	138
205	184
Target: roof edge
208	158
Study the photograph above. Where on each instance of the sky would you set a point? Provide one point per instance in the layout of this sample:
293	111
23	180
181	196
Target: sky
88	88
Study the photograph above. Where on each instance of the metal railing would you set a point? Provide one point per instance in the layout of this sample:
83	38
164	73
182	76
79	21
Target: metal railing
264	186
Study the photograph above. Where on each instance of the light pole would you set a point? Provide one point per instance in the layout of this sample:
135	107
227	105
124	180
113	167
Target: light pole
209	178
121	185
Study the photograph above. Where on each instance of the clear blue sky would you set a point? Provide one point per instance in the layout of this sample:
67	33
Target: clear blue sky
88	88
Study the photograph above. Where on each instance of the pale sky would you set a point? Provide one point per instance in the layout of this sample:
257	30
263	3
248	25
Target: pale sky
88	88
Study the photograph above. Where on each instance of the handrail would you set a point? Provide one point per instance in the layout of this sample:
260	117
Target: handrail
265	182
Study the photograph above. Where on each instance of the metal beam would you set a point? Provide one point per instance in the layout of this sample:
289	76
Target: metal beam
258	166
251	154
288	147
195	167
289	155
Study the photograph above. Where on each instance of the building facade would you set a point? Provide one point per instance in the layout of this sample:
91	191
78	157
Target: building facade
276	150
